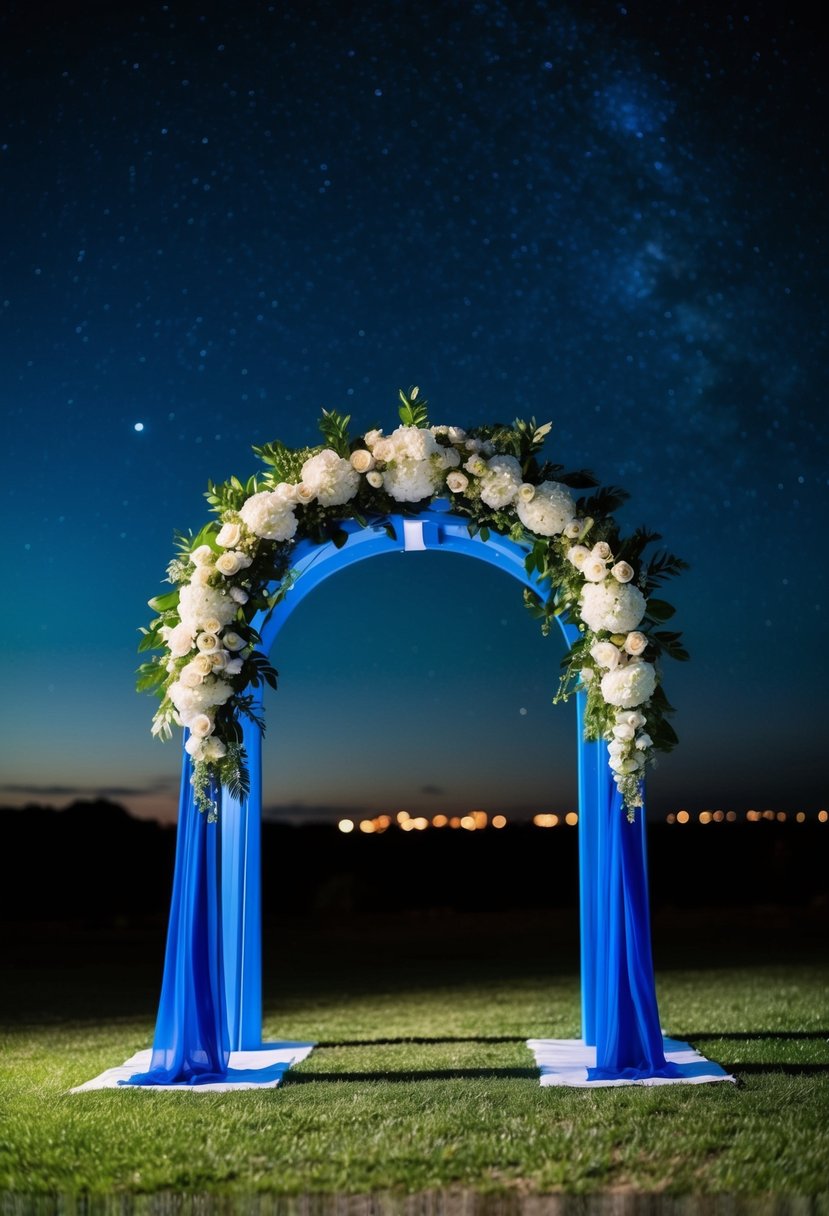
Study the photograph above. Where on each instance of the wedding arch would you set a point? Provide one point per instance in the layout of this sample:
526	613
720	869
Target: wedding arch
482	493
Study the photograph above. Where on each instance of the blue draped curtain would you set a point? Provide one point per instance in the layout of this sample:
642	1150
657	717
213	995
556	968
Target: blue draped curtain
629	1043
191	1043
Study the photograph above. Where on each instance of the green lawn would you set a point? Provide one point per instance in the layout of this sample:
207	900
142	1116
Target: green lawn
421	1081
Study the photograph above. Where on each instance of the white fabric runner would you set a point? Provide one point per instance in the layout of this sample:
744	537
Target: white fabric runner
565	1062
260	1069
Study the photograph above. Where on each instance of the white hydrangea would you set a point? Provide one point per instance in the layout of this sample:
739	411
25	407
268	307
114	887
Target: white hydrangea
501	482
332	479
198	606
617	607
269	514
629	686
414	462
191	702
549	511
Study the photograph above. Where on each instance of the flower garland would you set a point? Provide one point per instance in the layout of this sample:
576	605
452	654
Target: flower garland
490	474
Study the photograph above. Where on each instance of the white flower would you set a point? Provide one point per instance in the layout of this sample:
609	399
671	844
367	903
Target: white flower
195	747
449	458
622	572
456	434
203	556
232	641
613	606
501	481
203	663
629	686
622	730
332	479
602	550
231	562
192	701
476	465
218	660
374	479
635	643
269	516
201	576
586	675
229	536
198	605
630	717
239	595
207	642
526	492
180	640
549	511
372	437
413	464
578	555
190	676
643	741
473	445
593	568
201	726
213	749
211	624
233	667
383	450
573	529
303	494
362	461
457	481
605	654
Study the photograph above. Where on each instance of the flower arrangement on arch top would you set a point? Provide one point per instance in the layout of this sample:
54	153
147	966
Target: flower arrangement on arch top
238	567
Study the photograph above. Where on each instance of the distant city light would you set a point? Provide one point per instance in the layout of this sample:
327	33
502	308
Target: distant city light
545	821
822	816
439	821
682	816
571	819
499	821
346	825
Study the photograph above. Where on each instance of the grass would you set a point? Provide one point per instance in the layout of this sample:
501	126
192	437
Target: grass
421	1081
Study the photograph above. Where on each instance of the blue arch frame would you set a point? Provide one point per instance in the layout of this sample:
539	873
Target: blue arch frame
211	999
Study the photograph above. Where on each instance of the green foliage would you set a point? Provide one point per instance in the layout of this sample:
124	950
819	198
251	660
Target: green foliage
230	495
413	410
334	429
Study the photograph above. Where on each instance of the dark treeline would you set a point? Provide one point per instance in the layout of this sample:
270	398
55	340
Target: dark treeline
96	863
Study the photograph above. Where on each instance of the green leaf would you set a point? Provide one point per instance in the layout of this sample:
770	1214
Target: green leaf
334	430
660	610
413	411
161	603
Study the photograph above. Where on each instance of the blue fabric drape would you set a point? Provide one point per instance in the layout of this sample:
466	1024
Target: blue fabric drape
629	1044
191	1043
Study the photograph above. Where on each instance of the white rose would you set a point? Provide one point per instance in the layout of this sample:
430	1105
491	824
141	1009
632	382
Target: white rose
450	459
218	660
239	595
190	676
203	556
229	536
586	675
232	641
362	461
195	747
303	494
374	479
526	492
456	434
207	642
211	624
457	481
549	511
476	465
180	641
635	643
201	576
201	726
232	562
629	686
623	731
372	438
578	555
602	550
383	450
233	667
473	445
616	607
593	568
605	654
622	572
630	717
203	663
573	529
617	747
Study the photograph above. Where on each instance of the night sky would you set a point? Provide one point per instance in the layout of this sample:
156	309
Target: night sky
219	219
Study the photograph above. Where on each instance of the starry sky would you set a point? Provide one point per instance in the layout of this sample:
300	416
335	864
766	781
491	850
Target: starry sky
219	219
